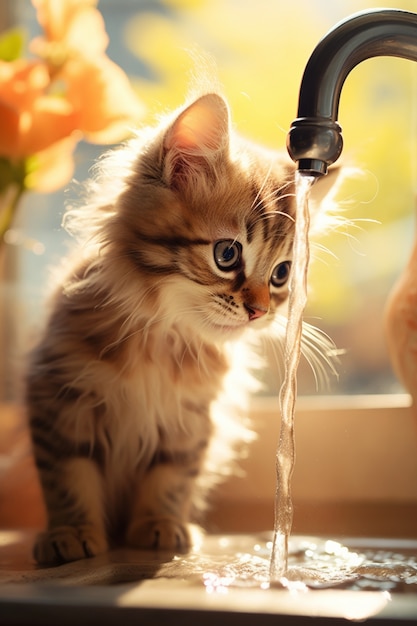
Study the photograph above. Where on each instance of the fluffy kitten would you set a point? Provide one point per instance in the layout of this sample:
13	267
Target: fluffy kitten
187	244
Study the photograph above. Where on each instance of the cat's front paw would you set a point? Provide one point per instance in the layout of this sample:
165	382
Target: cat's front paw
159	534
68	543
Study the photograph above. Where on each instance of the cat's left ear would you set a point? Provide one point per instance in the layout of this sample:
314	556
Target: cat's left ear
196	138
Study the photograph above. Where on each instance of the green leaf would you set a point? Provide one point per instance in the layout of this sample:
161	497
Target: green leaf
12	43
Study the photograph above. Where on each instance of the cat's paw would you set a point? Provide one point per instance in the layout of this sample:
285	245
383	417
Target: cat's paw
159	534
68	543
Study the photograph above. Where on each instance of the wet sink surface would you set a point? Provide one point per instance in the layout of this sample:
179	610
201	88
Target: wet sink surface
225	578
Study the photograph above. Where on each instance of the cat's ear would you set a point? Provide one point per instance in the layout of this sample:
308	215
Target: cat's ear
197	138
325	187
322	202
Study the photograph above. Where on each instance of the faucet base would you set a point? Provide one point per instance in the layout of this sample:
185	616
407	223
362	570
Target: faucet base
312	167
315	143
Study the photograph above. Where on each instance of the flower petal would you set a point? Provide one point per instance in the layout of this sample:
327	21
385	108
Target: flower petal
21	82
30	120
50	120
102	94
54	167
74	24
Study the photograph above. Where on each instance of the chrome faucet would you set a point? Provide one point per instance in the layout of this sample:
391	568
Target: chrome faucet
315	137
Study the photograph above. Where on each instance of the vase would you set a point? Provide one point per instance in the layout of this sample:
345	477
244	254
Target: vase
10	314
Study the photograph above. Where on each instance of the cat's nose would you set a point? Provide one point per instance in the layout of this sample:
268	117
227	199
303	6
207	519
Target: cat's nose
257	300
255	312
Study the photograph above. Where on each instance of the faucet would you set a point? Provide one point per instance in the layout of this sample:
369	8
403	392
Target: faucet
315	139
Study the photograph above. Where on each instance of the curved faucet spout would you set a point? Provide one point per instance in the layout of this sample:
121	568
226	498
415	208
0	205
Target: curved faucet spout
315	137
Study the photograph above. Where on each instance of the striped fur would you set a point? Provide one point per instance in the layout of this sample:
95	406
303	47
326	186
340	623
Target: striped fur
132	398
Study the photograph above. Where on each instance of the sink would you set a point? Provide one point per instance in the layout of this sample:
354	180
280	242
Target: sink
224	579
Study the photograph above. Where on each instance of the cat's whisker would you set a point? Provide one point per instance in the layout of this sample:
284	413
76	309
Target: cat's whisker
273	196
320	248
273	214
255	205
321	354
276	349
318	349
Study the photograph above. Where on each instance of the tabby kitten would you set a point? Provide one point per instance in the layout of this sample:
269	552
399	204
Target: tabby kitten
187	238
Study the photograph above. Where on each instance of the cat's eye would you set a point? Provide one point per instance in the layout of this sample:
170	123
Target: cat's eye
227	254
280	274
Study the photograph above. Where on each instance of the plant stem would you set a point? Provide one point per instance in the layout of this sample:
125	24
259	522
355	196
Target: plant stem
9	202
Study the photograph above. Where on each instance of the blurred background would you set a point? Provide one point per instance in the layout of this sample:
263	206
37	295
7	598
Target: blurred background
260	50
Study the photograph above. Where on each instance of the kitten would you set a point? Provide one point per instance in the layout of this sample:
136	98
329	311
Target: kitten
188	234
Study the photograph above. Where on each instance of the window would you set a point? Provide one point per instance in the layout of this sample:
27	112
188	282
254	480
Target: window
378	115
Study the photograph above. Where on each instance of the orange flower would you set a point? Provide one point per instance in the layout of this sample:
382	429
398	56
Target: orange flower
31	119
70	91
70	26
73	46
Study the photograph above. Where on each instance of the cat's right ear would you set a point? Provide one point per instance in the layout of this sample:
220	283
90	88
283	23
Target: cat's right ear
196	139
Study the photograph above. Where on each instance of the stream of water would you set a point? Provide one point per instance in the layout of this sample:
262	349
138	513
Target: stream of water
285	456
326	563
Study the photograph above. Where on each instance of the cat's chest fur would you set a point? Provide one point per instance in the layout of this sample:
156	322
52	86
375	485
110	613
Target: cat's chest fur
162	403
